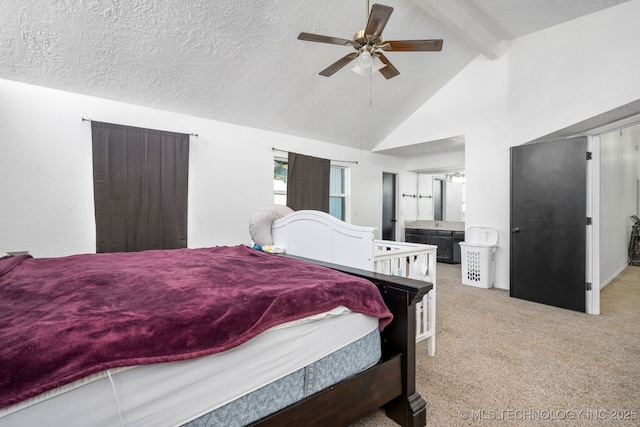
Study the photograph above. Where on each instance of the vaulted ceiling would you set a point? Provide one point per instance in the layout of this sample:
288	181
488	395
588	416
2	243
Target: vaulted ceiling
240	62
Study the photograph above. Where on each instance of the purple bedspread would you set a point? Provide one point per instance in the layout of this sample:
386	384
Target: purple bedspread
62	319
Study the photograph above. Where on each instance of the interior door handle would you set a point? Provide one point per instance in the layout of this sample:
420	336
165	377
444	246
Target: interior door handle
515	230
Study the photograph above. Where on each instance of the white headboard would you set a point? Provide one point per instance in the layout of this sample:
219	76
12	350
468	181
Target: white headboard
318	235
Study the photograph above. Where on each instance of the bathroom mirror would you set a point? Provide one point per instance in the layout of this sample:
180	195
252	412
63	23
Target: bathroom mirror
441	196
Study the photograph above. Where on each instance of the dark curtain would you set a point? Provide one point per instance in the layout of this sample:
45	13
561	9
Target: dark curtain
308	183
140	181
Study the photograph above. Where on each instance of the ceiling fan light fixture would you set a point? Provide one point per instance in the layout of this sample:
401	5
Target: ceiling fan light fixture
365	61
369	46
356	69
375	65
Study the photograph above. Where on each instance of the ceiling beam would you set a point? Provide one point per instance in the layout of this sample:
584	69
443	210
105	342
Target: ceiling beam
469	28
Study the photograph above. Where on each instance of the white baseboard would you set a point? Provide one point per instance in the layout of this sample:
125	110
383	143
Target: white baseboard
613	276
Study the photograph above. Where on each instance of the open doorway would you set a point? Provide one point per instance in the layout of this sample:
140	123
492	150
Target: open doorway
612	195
619	151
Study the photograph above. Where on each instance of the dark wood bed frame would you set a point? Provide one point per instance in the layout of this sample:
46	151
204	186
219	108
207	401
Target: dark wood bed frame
391	384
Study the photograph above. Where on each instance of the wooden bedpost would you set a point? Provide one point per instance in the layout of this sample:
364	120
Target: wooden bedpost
409	409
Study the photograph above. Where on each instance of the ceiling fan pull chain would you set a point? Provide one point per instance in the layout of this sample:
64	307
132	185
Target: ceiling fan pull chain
362	118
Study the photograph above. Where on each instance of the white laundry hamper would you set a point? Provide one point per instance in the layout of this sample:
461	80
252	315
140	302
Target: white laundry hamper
478	256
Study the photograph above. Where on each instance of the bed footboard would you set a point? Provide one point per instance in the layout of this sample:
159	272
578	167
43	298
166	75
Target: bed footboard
389	384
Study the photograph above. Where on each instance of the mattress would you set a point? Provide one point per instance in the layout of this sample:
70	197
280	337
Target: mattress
315	377
168	394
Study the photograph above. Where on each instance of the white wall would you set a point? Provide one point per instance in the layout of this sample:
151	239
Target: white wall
547	81
409	205
473	104
425	203
574	71
46	196
454	199
619	173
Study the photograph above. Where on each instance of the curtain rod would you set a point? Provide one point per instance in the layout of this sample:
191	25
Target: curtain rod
339	161
190	134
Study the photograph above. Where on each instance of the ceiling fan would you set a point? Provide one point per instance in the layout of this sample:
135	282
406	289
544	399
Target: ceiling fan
369	46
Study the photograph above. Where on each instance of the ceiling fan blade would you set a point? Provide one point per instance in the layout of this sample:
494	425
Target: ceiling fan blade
378	19
338	65
325	39
412	45
389	70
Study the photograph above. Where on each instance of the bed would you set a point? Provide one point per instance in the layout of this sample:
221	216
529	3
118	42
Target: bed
320	236
73	351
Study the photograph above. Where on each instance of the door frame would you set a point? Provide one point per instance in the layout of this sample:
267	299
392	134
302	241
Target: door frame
592	273
593	207
397	202
593	246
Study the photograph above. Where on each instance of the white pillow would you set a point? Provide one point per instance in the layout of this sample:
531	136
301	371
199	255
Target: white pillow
261	220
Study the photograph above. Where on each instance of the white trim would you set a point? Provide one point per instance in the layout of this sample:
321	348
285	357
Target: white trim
592	302
347	183
613	276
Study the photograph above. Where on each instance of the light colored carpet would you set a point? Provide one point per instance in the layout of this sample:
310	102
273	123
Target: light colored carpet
502	361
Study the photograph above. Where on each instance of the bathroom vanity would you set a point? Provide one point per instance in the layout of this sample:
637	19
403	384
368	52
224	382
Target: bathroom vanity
446	235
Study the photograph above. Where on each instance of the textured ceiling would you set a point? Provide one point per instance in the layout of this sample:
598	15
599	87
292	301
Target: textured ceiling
240	62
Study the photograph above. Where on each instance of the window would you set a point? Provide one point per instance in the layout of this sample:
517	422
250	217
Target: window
338	187
280	168
338	192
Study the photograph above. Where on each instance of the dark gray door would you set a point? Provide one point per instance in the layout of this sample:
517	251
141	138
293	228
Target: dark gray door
389	206
548	222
